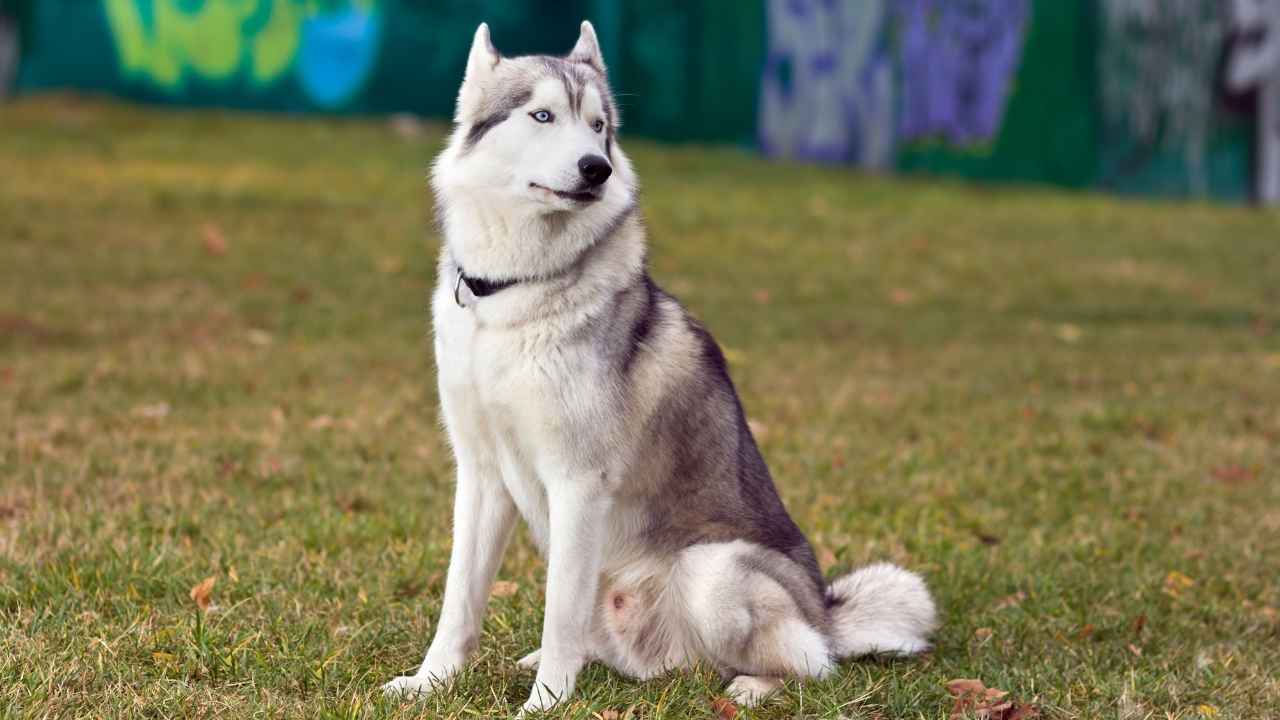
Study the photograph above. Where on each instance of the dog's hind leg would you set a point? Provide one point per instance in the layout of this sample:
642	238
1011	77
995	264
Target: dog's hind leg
755	615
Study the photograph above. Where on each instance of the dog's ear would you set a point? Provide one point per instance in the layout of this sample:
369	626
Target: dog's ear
480	64
587	49
484	56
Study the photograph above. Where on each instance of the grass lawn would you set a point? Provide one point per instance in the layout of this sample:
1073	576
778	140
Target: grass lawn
1063	409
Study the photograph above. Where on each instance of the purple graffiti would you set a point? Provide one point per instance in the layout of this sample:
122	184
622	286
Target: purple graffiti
958	62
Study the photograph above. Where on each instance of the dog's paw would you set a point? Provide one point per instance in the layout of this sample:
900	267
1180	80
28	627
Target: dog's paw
751	690
412	686
530	661
541	699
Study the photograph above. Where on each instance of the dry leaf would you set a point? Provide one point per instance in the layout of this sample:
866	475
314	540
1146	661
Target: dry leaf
983	633
155	411
826	558
1234	474
1022	712
214	241
203	592
503	588
1013	600
1175	582
901	296
1069	333
259	337
1207	710
608	715
974	699
1139	623
724	708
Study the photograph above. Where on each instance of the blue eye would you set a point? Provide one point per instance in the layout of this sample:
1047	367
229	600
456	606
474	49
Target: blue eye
598	125
542	116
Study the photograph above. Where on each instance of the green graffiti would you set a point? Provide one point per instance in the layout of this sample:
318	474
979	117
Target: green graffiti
167	41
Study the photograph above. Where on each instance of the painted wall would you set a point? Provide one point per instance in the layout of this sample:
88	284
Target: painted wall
372	56
1169	97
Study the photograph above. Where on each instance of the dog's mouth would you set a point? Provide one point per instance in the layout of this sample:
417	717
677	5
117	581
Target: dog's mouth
582	196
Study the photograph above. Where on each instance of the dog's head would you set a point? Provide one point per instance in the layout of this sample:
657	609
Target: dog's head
538	130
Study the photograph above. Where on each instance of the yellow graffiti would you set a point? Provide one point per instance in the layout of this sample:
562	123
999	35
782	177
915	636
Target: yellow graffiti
212	39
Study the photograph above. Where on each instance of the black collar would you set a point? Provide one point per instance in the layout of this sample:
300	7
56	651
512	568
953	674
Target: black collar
478	286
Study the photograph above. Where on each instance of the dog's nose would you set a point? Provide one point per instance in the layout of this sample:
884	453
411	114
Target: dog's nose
595	169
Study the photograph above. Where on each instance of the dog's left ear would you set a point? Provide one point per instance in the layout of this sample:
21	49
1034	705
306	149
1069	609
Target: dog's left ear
587	49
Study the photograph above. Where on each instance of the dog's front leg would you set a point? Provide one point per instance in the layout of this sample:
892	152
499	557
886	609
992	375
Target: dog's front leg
483	515
578	516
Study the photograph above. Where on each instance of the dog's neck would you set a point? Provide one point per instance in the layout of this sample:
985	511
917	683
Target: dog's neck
560	263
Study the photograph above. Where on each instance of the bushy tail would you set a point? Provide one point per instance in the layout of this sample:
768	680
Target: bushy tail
881	609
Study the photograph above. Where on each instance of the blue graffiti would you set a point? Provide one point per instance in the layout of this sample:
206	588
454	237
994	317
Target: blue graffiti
826	92
337	54
847	80
958	62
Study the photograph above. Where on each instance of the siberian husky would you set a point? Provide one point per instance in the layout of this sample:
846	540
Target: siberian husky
581	397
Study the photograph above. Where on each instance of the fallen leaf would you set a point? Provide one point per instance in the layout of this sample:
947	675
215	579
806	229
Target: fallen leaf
1069	333
983	633
503	588
724	709
1139	623
154	411
1009	601
259	337
1207	710
826	558
1086	632
975	699
1022	712
1175	583
901	296
163	658
987	538
1233	474
608	715
203	592
215	243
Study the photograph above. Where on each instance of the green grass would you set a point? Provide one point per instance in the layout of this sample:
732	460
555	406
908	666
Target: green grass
1055	406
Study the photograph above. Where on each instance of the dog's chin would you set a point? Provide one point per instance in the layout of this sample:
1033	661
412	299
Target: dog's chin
566	199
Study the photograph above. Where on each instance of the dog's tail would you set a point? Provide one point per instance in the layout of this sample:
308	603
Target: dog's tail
881	608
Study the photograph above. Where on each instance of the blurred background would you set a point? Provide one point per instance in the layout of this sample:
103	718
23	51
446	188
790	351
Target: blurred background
1174	98
988	274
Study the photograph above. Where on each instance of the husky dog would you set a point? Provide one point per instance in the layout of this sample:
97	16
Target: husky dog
580	396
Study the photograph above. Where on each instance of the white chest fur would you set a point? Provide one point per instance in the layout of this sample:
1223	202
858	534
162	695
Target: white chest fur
521	401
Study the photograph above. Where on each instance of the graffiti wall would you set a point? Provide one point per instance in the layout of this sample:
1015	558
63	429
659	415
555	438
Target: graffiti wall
372	56
1169	97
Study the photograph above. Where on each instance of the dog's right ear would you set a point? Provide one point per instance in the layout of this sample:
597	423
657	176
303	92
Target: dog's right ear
483	59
